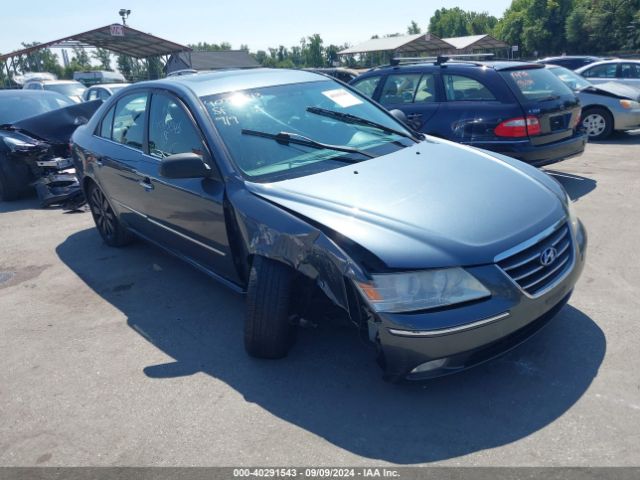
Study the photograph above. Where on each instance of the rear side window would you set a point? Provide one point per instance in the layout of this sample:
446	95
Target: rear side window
171	130
537	84
128	121
399	88
461	88
367	86
601	71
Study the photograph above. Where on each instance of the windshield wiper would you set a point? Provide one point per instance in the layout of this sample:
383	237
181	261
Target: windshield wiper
350	118
286	138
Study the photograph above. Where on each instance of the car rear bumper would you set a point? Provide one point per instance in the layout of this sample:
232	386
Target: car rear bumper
493	326
538	155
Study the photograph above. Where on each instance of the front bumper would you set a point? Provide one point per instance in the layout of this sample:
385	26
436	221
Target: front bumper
460	337
538	155
626	119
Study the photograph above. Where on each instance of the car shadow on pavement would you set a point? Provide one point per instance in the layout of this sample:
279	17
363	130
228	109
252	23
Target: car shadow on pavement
26	203
575	185
329	384
631	137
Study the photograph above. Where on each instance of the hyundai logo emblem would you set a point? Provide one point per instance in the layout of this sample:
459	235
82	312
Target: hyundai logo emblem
548	256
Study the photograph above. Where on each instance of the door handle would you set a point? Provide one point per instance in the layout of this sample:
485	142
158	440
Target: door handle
415	116
146	184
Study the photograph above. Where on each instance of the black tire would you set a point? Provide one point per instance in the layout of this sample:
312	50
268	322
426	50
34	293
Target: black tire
268	332
597	122
109	226
13	184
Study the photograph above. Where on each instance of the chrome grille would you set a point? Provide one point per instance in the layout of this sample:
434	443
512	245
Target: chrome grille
527	268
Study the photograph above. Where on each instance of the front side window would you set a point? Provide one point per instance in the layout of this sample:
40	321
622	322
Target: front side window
128	122
399	88
93	95
256	126
461	88
629	70
601	71
171	130
367	86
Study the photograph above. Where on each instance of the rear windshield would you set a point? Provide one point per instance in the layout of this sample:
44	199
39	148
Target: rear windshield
537	84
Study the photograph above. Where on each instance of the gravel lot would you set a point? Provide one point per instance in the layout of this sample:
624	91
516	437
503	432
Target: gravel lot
130	357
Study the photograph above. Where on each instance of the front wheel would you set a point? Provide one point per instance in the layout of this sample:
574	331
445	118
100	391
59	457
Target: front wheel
598	123
268	331
109	226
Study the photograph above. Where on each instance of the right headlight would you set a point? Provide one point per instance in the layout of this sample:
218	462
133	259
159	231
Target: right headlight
629	104
420	290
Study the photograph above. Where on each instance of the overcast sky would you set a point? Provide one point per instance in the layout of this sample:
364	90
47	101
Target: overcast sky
257	23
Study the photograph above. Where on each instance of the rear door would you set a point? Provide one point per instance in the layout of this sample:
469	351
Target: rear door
121	158
414	93
547	100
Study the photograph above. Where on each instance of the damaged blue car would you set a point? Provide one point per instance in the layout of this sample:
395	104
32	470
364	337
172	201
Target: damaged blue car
299	191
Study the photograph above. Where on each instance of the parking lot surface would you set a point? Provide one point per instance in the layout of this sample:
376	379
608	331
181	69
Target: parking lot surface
130	357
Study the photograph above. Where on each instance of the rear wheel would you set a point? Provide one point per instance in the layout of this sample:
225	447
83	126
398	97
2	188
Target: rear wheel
597	122
268	331
110	228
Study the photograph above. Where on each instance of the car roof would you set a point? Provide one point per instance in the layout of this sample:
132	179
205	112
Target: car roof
30	93
110	85
497	65
607	62
568	57
52	82
212	83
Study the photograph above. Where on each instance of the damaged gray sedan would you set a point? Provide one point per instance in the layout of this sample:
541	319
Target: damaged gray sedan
35	128
308	197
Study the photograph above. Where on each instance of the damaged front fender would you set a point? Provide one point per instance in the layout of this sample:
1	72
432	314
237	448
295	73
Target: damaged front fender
273	232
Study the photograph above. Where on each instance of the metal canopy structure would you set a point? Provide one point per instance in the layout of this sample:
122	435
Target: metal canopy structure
116	38
425	43
475	42
417	43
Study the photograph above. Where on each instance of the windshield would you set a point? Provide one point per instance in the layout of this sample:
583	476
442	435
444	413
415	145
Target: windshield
14	108
302	112
68	89
538	84
571	79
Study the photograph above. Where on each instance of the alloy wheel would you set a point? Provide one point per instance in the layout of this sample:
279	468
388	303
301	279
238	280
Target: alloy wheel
594	124
102	213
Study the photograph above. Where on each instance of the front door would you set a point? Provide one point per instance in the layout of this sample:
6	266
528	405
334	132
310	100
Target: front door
187	215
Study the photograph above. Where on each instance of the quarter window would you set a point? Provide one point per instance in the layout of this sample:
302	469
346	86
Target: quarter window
171	130
128	122
367	86
460	88
107	123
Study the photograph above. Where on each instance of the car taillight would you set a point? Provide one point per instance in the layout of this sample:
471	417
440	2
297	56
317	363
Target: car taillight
518	127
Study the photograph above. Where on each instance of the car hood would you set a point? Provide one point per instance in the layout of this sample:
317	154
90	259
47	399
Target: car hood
615	89
435	204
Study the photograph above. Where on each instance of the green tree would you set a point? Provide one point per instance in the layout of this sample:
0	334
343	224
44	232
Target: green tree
314	52
42	60
449	22
413	28
103	56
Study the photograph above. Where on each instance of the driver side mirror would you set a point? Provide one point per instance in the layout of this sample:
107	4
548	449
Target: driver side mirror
185	165
398	115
